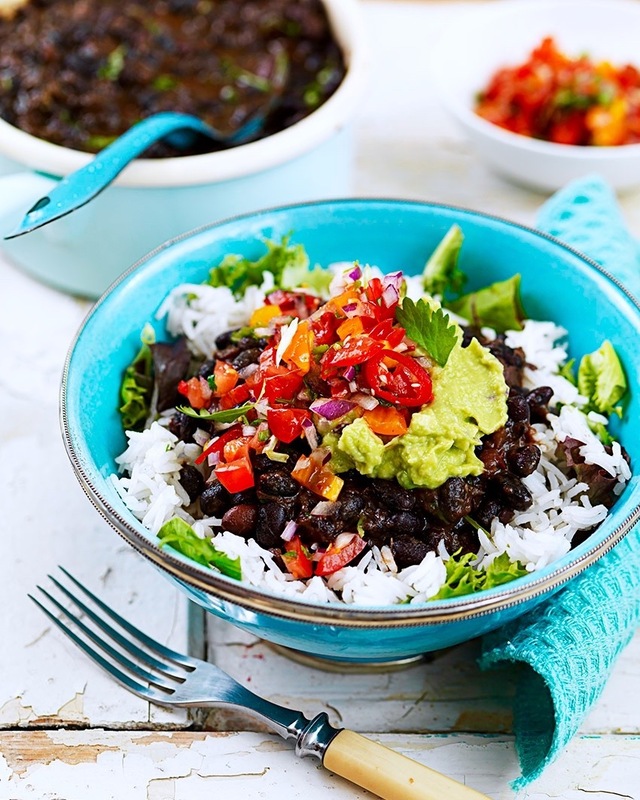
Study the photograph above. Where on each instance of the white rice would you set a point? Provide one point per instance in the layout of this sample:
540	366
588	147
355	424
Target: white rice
536	537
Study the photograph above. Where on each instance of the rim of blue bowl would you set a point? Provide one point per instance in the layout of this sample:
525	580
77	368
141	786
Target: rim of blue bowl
251	598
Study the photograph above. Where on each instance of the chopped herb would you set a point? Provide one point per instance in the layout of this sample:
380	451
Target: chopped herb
242	333
164	83
180	535
497	306
567	371
429	328
211	380
114	64
227	415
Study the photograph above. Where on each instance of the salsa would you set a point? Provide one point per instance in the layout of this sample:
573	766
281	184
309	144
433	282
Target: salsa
80	73
564	99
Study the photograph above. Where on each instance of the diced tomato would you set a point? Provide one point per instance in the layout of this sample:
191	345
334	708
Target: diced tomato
334	558
296	559
324	328
197	391
237	475
236	397
236	448
386	331
286	423
374	289
311	473
386	420
398	379
355	350
225	377
281	384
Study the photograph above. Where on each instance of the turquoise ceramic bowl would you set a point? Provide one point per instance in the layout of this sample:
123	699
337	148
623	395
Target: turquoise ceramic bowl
558	284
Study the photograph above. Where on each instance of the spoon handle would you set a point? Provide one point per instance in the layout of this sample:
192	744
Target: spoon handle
85	183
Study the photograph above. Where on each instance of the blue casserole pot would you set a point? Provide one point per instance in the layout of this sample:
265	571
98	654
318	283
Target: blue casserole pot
558	284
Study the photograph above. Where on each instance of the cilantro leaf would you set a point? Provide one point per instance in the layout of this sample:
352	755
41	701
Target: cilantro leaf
227	415
429	328
441	274
498	306
180	535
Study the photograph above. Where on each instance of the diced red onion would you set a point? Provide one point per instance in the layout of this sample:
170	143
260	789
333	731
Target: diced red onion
324	508
247	372
350	373
310	433
331	409
390	295
365	401
201	437
213	459
355	273
343	539
393	279
289	530
352	309
248	430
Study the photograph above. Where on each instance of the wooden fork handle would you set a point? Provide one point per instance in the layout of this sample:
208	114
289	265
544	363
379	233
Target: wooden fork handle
388	774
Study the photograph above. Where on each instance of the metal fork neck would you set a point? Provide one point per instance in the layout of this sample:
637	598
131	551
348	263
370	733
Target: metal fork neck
315	736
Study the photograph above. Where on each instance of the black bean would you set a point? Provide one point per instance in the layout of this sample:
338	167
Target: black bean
214	500
225	339
538	400
272	519
192	481
456	499
351	504
206	368
320	529
486	512
241	519
393	495
182	426
407	550
277	483
514	491
247	496
518	408
246	357
524	460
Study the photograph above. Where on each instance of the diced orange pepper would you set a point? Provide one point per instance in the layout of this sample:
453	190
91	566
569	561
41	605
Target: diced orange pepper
263	315
319	479
299	350
237	448
350	327
386	420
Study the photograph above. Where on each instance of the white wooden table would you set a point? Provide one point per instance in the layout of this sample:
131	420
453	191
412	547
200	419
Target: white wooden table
67	731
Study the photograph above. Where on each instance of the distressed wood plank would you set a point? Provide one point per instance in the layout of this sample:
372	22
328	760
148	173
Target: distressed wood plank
191	766
47	520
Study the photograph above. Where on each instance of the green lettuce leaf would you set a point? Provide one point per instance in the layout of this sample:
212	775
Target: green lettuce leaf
289	265
497	306
462	578
602	380
180	535
441	274
137	384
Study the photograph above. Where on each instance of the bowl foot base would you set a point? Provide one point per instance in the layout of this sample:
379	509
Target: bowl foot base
346	666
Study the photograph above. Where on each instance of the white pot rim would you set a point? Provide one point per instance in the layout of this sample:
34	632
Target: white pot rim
328	119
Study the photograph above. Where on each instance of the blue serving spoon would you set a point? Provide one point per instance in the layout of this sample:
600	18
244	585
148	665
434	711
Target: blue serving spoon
81	186
84	184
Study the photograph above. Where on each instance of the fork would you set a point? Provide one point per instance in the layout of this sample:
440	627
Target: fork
163	676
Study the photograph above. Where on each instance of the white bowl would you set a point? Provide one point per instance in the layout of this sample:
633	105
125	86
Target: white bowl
478	43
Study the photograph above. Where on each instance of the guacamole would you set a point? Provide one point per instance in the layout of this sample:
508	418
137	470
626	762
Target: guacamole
469	401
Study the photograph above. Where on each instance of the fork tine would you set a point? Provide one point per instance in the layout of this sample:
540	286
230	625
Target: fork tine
179	658
116	655
131	647
121	677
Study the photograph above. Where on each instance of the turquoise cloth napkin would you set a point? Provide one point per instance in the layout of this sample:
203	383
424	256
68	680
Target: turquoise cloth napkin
568	646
